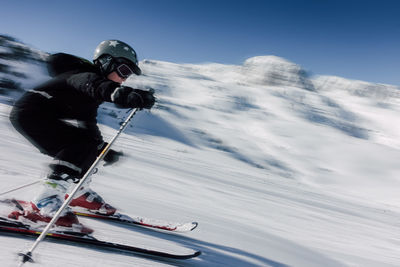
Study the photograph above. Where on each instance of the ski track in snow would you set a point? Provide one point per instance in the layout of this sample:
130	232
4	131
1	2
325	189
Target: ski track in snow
278	170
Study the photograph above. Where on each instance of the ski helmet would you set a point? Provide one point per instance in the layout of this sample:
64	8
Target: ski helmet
110	53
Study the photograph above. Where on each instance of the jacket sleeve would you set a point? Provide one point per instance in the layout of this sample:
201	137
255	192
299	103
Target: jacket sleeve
93	85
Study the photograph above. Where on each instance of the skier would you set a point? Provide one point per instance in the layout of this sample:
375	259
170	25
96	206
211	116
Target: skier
75	93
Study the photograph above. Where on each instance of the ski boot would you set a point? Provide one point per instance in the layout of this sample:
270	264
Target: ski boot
47	203
90	200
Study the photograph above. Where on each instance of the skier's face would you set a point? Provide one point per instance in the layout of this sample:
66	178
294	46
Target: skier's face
113	76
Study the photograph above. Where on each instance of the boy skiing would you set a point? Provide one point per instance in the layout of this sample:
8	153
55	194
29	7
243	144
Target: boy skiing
74	93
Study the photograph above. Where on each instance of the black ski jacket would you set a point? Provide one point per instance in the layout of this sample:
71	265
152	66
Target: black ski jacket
74	95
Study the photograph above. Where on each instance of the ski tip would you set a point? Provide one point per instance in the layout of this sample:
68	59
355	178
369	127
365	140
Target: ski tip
188	256
186	227
195	224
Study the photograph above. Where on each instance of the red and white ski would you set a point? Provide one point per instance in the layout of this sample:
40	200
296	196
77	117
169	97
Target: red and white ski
125	219
141	221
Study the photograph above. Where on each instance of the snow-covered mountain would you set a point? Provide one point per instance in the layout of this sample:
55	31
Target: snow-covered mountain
20	67
279	168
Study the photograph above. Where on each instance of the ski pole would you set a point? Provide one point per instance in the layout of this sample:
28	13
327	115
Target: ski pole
19	187
28	255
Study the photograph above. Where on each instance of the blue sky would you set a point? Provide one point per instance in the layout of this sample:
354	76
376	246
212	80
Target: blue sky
355	39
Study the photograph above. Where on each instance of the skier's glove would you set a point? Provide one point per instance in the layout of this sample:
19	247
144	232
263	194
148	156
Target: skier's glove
127	97
112	156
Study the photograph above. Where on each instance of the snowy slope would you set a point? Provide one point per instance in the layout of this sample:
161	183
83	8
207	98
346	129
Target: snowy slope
279	169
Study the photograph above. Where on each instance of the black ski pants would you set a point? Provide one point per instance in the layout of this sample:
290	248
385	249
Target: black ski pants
72	148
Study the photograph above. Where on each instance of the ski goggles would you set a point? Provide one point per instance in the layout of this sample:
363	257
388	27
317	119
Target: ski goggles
124	71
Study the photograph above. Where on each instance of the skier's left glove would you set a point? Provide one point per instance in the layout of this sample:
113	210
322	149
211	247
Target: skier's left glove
112	156
127	97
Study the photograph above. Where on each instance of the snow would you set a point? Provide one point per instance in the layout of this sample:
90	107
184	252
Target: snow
278	168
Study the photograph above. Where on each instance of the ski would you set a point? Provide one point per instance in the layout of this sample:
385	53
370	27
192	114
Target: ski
122	218
18	228
140	221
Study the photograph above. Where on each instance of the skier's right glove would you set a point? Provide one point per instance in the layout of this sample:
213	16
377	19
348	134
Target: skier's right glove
111	156
127	97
